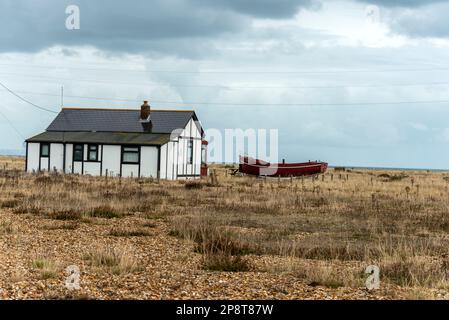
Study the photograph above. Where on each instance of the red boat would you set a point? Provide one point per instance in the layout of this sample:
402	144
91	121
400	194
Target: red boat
257	167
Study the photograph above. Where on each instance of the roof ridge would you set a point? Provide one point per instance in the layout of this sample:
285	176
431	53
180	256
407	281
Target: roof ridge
123	109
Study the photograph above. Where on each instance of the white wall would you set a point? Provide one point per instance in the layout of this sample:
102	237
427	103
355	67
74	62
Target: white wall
170	160
111	161
44	164
148	161
68	157
33	157
163	173
56	156
178	153
78	167
92	168
130	170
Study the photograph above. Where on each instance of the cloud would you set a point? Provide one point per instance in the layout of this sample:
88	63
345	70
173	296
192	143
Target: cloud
263	8
430	21
415	19
168	26
401	3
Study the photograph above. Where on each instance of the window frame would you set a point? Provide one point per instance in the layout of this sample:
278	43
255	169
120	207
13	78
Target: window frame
41	155
137	151
74	152
97	150
190	151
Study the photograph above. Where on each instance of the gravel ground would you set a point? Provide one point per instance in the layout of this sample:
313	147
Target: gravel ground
168	268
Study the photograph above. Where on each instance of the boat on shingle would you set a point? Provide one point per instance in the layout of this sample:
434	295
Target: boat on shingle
258	167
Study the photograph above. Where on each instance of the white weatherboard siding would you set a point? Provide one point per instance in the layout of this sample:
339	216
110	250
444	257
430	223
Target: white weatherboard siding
197	157
130	170
78	167
92	168
56	156
148	162
68	157
44	164
170	161
184	168
111	160
163	163
33	157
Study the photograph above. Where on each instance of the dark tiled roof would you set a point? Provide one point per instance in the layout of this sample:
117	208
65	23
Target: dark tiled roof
102	138
118	120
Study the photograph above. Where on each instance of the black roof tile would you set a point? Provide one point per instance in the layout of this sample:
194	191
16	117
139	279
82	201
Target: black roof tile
118	120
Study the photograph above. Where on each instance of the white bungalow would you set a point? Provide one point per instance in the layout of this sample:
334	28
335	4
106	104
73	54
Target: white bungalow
164	144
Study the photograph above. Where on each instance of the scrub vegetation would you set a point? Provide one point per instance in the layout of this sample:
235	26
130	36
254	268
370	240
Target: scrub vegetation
297	238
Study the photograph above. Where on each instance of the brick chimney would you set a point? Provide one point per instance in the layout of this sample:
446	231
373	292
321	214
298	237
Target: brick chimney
145	110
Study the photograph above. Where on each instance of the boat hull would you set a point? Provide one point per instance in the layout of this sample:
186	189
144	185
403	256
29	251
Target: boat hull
259	168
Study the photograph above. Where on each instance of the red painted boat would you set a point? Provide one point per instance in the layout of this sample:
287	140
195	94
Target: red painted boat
257	167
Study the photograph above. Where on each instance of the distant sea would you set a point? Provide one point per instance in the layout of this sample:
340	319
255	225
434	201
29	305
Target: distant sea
373	168
390	168
12	152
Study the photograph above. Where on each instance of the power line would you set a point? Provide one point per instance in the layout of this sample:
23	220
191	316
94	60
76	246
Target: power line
12	125
25	100
231	87
251	104
237	71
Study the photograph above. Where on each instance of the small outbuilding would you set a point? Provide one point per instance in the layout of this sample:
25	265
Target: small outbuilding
165	144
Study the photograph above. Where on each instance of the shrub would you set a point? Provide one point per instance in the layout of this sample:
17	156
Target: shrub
66	215
128	233
116	260
105	212
225	262
47	268
10	203
193	185
7	227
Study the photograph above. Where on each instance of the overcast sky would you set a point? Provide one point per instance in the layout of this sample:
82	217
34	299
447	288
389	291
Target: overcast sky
360	83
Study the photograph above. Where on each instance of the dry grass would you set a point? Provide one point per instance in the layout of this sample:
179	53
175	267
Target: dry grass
7	227
129	232
396	220
117	260
48	269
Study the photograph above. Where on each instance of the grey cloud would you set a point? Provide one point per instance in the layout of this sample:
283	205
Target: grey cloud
421	19
402	3
427	22
263	8
169	26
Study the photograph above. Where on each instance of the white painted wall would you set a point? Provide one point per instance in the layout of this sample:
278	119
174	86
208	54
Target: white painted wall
56	156
130	170
180	152
33	157
78	167
170	161
163	173
148	162
92	168
68	157
111	161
